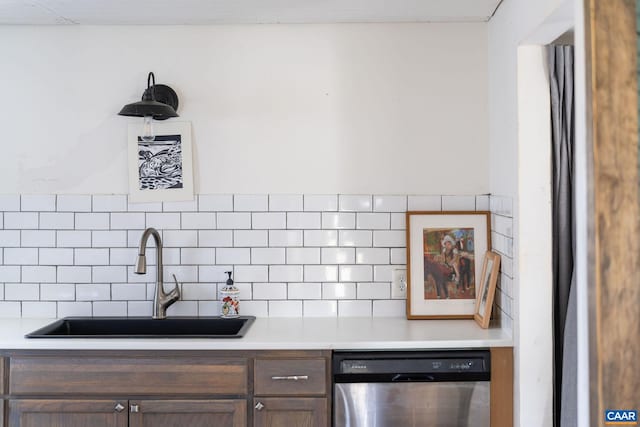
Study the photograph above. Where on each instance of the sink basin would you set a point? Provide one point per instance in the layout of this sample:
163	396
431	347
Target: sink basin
144	327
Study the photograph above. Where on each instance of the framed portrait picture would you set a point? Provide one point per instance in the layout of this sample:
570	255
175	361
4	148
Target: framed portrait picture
444	253
487	289
161	170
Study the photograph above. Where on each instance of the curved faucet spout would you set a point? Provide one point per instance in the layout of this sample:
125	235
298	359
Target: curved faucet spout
161	300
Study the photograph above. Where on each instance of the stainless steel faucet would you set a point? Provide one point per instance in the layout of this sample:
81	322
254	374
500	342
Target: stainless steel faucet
161	300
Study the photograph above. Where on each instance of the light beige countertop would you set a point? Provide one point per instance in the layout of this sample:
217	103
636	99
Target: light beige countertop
294	333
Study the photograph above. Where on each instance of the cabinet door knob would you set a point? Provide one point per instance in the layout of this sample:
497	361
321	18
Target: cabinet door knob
259	406
119	407
134	408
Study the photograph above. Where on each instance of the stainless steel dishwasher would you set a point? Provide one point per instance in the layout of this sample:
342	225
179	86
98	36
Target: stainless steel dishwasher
411	389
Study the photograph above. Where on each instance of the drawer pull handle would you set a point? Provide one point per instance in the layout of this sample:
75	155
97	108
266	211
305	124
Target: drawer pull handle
291	378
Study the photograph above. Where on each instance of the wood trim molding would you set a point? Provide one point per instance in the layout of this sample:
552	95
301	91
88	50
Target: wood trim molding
614	205
501	387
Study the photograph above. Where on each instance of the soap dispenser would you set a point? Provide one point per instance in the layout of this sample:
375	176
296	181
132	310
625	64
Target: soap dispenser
230	299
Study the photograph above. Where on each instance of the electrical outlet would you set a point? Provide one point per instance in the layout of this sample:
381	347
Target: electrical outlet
399	284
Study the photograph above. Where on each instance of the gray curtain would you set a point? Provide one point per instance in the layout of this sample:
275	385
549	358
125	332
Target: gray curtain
564	331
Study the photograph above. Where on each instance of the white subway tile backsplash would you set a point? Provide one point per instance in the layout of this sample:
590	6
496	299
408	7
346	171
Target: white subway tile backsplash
372	256
180	238
128	221
313	308
215	202
9	238
270	291
304	291
250	202
458	203
109	203
39	309
55	256
37	202
109	239
198	220
9	202
215	238
291	255
320	238
374	291
73	203
303	220
233	256
333	291
38	238
250	238
110	308
424	203
285	202
20	256
234	220
73	239
285	308
163	221
374	221
320	273
390	203
320	202
338	256
389	239
270	220
57	221
21	291
303	255
197	255
355	238
354	308
10	309
285	238
20	220
340	220
355	203
285	273
268	256
39	274
356	273
182	206
92	221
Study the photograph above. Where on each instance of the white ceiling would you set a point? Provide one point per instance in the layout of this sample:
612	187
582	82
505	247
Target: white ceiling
160	12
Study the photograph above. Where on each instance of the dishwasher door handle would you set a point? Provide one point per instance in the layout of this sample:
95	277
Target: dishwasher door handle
412	377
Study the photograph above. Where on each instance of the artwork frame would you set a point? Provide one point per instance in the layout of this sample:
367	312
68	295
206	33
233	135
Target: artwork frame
161	170
441	270
487	289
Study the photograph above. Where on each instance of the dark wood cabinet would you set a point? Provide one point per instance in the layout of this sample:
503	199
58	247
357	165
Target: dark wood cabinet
192	413
290	412
67	413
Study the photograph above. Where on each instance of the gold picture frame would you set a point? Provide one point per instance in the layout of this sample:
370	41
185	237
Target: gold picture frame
443	253
487	289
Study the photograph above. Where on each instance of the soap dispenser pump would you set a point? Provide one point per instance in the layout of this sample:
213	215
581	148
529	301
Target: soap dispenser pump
230	300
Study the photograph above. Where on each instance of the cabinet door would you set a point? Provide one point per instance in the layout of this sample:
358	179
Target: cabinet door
290	412
67	413
191	413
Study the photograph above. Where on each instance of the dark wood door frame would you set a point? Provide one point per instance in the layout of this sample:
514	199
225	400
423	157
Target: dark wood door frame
614	206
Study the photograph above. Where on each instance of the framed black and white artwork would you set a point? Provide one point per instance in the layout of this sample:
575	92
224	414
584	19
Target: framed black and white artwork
161	170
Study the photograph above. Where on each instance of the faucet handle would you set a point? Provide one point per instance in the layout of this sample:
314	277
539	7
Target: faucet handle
176	290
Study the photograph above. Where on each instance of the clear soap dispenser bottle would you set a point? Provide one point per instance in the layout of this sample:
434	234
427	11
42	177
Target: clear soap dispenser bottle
230	299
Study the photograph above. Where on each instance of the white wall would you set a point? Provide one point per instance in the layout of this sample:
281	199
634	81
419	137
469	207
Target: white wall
372	108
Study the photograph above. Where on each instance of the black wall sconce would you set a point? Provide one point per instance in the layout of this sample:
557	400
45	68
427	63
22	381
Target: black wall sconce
159	102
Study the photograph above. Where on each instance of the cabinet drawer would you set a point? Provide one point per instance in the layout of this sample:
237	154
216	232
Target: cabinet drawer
127	375
290	377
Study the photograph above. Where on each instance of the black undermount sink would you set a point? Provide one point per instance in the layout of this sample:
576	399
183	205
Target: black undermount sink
144	327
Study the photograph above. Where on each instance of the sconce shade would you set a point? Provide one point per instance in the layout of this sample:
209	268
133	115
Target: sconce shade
158	101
